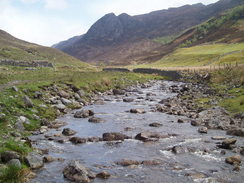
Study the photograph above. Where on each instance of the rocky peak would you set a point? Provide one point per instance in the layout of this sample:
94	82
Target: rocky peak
106	29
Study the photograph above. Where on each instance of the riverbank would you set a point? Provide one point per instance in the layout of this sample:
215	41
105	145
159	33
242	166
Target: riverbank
27	105
127	132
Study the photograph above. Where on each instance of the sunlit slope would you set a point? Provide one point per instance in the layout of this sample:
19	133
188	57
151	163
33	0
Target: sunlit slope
16	49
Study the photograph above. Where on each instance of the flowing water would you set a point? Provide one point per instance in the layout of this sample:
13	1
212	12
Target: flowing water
203	164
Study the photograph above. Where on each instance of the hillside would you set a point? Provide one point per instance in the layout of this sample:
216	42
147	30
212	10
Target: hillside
125	39
12	48
219	40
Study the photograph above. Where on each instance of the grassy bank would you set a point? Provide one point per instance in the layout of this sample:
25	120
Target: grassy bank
228	87
202	55
28	82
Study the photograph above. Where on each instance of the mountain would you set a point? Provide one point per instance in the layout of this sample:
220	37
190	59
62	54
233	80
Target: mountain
12	48
125	39
219	40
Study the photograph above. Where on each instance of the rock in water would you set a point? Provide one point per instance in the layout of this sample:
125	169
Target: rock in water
138	111
118	92
34	160
233	160
103	175
203	129
155	124
84	114
76	172
95	120
114	136
68	132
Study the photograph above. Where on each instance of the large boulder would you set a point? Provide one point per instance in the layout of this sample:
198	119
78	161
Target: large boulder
34	160
76	172
114	136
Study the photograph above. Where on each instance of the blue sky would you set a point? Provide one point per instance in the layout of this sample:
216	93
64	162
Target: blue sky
47	22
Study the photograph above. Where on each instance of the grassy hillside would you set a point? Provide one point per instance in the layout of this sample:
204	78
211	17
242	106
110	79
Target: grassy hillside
218	41
16	49
202	55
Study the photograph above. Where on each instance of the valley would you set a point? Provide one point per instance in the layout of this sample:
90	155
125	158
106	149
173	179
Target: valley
157	97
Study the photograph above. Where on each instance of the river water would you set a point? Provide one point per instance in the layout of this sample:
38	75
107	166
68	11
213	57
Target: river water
204	163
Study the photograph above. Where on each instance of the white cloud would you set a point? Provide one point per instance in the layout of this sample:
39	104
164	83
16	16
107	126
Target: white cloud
48	27
34	27
29	1
56	4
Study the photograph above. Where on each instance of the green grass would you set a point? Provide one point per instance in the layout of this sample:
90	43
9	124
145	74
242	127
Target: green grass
214	23
16	49
12	174
165	39
202	55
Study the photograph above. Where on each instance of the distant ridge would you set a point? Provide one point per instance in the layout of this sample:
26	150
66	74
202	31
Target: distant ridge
125	39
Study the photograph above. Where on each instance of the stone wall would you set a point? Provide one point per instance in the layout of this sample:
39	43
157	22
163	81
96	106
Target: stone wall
26	64
174	75
116	69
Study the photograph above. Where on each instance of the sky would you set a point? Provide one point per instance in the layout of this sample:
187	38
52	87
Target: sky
47	22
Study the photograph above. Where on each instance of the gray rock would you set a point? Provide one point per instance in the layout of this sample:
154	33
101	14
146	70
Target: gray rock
34	160
233	160
14	162
128	99
149	136
64	94
237	132
59	106
179	149
9	155
155	124
218	138
103	175
114	136
195	123
66	101
83	114
2	116
15	88
81	93
78	140
228	143
96	120
138	111
57	124
28	102
127	162
118	92
76	172
48	159
203	129
68	132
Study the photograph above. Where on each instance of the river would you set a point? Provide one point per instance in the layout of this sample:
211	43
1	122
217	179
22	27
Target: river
200	161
